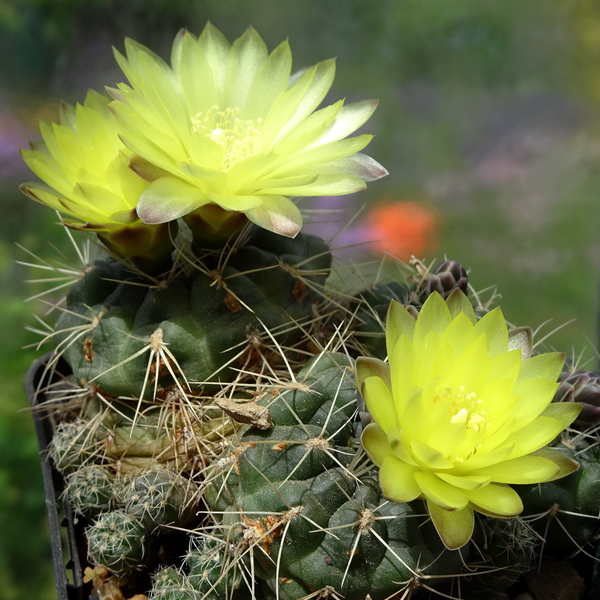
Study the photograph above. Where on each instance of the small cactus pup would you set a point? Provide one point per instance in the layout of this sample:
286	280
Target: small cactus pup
296	506
118	541
462	410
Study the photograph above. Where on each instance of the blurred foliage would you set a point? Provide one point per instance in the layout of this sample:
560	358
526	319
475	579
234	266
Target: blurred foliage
489	110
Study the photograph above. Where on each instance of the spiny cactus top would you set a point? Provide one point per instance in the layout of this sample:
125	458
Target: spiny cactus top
461	410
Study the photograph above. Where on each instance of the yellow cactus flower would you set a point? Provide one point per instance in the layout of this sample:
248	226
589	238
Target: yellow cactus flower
227	126
84	167
461	411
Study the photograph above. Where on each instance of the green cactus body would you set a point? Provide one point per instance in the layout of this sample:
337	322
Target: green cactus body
159	497
171	584
135	335
118	542
90	490
73	444
214	572
295	502
371	309
565	512
505	549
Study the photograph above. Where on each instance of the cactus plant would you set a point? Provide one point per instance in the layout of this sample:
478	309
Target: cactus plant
212	428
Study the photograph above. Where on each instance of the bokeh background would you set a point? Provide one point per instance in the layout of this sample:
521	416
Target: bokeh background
488	124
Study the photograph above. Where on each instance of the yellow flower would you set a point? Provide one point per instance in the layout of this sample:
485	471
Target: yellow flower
462	410
227	125
84	167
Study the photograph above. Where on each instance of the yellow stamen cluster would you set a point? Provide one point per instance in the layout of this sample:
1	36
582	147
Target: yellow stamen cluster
238	138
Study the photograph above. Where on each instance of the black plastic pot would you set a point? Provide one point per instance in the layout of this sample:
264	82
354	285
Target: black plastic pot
65	531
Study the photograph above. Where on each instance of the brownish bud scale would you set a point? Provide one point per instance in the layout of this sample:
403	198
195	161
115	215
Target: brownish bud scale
582	387
445	278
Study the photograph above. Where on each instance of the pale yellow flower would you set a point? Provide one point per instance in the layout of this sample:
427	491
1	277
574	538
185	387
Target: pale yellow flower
228	125
461	411
84	166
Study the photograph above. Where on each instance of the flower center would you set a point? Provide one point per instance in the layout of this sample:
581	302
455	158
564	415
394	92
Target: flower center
239	138
466	408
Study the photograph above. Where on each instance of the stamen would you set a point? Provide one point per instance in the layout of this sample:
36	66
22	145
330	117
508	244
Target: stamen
238	138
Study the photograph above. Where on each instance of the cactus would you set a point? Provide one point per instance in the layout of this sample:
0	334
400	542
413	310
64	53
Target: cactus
90	490
295	502
135	336
159	497
118	542
214	571
211	432
171	584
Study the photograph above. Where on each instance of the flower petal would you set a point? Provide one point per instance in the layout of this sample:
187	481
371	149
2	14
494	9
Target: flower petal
498	499
397	480
359	165
464	482
455	527
376	443
167	199
548	365
538	433
371	367
439	492
522	470
248	53
379	401
534	397
350	118
398	322
565	412
494	326
429	457
278	214
565	465
458	302
434	317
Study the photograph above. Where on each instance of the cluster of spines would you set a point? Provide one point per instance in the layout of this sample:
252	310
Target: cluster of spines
245	532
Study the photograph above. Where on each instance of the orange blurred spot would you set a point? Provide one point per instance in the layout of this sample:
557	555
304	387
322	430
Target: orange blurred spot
403	228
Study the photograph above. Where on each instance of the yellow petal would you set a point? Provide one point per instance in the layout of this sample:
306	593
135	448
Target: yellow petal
494	326
397	480
498	499
534	397
523	470
458	303
548	366
439	492
376	443
278	214
398	322
380	402
565	412
168	198
248	53
429	457
538	433
565	465
434	317
464	482
371	367
454	527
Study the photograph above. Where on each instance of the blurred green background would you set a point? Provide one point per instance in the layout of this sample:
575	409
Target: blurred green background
488	117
